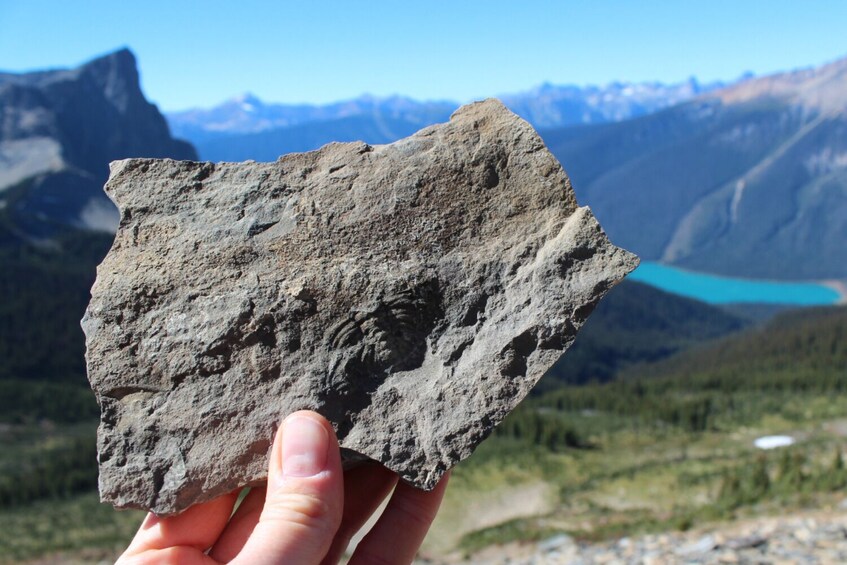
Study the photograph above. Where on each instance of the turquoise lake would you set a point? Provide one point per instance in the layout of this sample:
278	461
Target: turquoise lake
723	290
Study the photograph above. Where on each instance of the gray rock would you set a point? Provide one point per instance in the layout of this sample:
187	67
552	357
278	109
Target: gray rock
746	542
555	543
704	545
413	293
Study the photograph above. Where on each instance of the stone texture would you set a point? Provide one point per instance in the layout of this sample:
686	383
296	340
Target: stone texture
413	293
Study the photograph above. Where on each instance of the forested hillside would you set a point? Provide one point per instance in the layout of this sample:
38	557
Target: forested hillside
671	445
42	375
735	380
636	323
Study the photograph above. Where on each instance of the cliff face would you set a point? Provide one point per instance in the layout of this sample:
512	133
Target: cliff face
59	130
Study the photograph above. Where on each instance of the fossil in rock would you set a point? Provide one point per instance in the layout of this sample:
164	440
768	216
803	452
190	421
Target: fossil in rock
413	293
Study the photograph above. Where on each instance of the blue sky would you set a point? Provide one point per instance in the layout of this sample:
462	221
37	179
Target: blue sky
194	53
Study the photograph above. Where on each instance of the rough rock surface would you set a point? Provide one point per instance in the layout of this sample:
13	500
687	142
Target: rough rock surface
413	293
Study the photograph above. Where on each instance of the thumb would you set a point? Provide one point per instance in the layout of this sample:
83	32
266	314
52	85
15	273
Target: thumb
303	505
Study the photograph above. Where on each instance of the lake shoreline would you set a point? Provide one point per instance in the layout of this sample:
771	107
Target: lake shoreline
721	289
838	286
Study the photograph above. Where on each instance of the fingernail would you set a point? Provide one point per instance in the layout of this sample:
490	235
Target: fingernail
305	444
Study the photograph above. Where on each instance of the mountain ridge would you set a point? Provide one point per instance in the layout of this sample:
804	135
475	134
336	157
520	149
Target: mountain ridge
546	105
746	181
820	88
247	114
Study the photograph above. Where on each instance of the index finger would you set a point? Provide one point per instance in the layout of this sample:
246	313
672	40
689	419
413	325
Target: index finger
398	533
197	528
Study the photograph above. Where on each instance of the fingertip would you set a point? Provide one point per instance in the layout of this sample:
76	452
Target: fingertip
305	445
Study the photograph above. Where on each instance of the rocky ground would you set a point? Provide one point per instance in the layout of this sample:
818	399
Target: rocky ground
810	538
799	539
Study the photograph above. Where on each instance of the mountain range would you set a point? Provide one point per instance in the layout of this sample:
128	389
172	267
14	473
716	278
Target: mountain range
747	179
245	127
663	179
246	114
60	129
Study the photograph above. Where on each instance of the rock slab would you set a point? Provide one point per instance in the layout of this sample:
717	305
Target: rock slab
413	293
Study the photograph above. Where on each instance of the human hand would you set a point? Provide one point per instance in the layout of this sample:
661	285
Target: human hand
306	515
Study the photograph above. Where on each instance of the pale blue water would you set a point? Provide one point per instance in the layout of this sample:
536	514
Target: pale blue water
723	290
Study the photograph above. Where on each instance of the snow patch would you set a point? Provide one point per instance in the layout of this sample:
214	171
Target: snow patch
772	442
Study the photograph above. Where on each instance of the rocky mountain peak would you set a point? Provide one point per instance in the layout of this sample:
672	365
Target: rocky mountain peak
116	75
60	128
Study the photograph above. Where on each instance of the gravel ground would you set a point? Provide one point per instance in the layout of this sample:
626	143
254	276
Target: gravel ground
811	538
